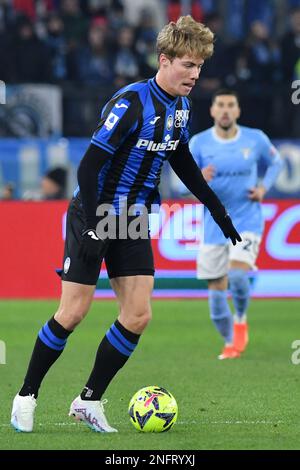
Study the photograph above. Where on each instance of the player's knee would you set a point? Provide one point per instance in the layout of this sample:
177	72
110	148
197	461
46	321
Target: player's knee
70	318
139	319
218	306
238	281
72	310
145	318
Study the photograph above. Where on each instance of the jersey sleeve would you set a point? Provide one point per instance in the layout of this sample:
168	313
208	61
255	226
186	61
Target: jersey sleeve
119	118
271	158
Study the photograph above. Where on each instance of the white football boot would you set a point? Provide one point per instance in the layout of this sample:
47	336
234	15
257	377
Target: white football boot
91	413
23	413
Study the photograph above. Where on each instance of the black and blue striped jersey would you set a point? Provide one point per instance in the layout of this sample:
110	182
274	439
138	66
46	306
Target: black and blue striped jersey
140	127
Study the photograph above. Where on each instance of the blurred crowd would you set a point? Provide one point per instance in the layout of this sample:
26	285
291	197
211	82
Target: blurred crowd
51	187
91	42
105	44
95	41
93	47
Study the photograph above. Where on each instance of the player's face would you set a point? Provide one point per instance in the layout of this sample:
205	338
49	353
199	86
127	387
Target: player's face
178	76
225	111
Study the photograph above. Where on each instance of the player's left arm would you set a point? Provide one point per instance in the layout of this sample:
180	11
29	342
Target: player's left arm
271	157
187	170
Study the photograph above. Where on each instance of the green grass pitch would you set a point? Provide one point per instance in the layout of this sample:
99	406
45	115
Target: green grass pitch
248	403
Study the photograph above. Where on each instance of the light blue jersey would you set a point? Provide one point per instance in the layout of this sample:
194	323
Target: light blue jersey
235	161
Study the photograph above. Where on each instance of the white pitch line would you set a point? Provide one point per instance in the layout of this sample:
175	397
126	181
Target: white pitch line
182	423
244	422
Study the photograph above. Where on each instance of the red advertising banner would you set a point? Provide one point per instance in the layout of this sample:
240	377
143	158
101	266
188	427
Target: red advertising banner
280	247
31	242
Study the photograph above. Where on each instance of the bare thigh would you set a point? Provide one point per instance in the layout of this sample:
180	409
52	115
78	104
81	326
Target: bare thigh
234	264
222	282
218	284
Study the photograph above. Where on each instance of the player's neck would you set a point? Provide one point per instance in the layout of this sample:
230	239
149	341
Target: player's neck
163	85
226	133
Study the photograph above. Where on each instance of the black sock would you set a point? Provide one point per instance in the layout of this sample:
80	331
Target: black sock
113	352
48	347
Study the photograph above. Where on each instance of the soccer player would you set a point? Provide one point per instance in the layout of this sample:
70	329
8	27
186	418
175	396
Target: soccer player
142	126
228	155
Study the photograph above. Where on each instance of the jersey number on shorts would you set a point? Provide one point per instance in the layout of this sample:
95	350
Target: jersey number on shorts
251	245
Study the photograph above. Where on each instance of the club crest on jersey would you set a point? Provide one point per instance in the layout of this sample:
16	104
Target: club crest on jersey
111	120
170	122
181	117
246	152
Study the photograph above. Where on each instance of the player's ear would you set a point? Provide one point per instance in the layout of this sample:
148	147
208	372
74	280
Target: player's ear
163	60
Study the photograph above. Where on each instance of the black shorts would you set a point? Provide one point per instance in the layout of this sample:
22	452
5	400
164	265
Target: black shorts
123	257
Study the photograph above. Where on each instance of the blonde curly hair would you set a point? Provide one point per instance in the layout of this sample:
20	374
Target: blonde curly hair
186	36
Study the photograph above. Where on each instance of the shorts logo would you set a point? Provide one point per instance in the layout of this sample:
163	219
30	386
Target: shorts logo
67	265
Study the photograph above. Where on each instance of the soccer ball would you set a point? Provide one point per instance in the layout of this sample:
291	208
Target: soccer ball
153	409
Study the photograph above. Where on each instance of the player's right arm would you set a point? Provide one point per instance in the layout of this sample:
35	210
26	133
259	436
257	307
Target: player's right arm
118	119
90	166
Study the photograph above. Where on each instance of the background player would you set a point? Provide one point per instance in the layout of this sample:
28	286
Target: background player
228	155
142	126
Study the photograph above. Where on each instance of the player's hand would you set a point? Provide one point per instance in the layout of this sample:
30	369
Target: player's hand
208	172
227	227
91	246
257	193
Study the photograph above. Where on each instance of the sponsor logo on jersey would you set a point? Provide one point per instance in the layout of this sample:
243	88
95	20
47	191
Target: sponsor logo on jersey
152	146
181	117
